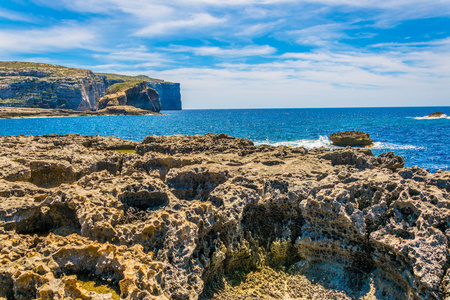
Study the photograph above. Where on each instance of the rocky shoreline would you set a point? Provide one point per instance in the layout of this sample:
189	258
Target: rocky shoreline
215	217
22	112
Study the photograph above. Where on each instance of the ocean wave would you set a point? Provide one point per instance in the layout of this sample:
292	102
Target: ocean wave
323	141
444	116
392	146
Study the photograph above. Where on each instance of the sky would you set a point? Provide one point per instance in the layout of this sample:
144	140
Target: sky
248	53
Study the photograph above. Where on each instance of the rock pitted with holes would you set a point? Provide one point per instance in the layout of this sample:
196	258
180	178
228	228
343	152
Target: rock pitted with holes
215	217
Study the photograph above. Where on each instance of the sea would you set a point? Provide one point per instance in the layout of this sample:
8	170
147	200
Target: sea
406	131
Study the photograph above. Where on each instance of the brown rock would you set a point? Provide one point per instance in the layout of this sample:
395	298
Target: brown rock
436	115
132	93
351	138
215	217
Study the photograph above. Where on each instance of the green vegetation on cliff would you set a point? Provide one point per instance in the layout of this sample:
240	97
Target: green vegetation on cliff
122	86
41	69
117	77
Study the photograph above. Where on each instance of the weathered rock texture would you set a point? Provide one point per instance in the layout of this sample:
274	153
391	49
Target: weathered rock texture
351	138
437	115
49	86
40	85
214	217
134	93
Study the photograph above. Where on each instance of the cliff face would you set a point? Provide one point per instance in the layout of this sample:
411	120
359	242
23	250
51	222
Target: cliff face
51	86
48	86
170	93
132	93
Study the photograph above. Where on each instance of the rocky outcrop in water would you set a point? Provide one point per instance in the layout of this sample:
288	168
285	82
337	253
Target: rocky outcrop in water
351	138
215	217
437	115
37	85
133	93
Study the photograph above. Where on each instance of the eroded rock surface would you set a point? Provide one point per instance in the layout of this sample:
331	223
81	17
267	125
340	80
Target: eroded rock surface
132	93
215	217
351	138
38	85
436	115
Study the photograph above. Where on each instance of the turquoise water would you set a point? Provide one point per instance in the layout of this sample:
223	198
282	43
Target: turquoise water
405	131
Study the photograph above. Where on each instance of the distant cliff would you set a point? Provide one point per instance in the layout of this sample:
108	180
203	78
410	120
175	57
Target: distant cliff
24	84
170	92
132	93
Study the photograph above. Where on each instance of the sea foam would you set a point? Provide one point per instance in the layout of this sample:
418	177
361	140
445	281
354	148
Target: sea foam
444	116
392	146
324	141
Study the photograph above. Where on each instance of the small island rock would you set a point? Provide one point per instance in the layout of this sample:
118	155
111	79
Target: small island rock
351	138
436	115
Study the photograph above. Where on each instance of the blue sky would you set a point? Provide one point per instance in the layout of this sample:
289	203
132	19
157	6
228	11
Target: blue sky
248	53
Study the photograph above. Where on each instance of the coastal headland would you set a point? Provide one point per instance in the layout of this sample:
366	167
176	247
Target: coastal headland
38	85
216	217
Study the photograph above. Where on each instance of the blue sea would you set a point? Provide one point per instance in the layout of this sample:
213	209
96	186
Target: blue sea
406	131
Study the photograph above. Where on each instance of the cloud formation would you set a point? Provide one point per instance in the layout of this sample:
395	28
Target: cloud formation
245	53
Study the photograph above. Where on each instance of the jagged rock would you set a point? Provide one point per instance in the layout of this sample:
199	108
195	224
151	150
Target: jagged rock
436	115
390	161
351	138
347	156
132	93
215	217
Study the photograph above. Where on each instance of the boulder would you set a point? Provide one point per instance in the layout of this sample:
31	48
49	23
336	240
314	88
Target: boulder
351	138
132	93
436	115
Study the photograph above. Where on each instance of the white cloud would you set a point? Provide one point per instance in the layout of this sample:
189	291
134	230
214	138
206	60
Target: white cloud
319	35
251	50
134	54
14	16
48	39
194	22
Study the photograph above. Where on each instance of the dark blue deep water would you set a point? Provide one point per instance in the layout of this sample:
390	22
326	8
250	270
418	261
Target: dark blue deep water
405	131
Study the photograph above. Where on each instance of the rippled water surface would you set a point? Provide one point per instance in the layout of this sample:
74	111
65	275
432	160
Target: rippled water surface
405	131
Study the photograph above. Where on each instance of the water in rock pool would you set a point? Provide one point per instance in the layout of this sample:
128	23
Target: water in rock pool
407	131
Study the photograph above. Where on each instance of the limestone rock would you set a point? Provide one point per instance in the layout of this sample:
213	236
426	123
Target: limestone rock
38	85
169	93
436	115
133	93
351	138
214	217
